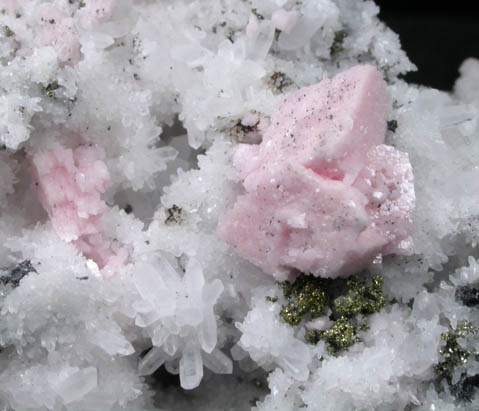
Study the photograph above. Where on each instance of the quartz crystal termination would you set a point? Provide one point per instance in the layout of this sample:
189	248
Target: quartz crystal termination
323	193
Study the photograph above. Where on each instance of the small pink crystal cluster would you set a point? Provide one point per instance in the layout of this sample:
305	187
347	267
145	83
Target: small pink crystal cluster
323	194
98	11
69	185
59	32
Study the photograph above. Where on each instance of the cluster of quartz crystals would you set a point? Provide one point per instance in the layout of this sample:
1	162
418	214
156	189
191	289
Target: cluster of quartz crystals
164	92
185	305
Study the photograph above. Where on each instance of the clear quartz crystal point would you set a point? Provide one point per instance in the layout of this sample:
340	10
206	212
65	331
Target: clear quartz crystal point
171	345
153	360
218	362
261	42
207	333
160	334
151	284
294	359
77	385
191	367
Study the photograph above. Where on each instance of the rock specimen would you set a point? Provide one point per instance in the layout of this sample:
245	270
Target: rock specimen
122	296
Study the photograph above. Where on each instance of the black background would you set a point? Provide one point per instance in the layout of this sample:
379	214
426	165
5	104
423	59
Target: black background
436	39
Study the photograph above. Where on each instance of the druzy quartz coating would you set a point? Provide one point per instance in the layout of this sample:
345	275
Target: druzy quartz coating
323	193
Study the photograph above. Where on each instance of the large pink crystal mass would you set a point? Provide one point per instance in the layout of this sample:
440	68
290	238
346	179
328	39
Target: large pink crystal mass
323	194
69	185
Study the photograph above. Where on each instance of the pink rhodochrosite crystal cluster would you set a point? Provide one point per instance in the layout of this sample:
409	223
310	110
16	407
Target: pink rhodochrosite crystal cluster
59	32
69	183
323	193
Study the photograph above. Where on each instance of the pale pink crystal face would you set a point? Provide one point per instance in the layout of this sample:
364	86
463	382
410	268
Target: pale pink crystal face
69	185
323	194
109	255
59	32
98	12
284	20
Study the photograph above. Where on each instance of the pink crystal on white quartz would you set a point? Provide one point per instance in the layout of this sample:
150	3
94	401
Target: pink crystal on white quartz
323	194
109	255
69	185
284	20
97	12
252	26
59	32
